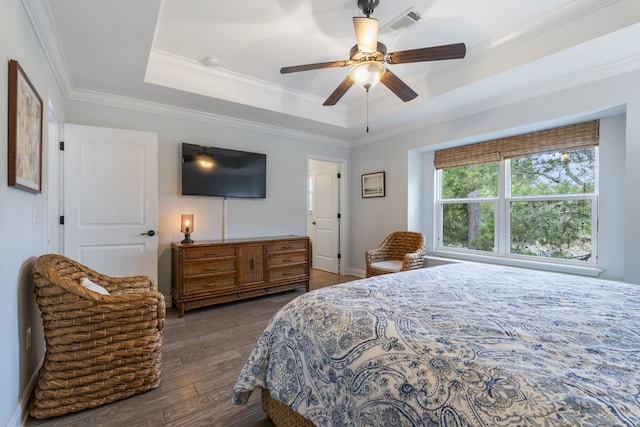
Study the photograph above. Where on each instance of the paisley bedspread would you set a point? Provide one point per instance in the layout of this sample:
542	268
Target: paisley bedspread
456	345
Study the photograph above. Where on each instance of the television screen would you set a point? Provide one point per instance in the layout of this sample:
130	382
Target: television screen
211	171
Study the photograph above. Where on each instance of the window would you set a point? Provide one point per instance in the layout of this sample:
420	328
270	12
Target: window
469	201
540	204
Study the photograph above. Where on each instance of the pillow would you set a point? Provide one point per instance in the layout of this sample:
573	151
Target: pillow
93	286
390	266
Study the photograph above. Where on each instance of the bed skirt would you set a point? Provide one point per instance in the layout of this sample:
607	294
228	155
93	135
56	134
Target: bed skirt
280	414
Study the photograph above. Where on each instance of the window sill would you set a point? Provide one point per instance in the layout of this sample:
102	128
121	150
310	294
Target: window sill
442	257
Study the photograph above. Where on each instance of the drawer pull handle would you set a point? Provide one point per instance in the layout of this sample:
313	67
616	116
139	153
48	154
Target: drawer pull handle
253	263
210	270
287	260
287	273
286	247
210	254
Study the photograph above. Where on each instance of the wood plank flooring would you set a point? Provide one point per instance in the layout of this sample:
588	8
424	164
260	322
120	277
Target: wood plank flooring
203	353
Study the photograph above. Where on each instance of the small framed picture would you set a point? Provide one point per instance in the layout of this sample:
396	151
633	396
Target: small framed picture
373	184
25	132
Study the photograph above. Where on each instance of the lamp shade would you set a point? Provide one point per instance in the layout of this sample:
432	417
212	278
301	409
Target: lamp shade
367	74
366	33
186	223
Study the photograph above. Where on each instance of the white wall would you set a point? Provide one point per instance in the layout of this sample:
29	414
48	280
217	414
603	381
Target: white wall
374	218
24	235
283	212
632	189
611	200
619	172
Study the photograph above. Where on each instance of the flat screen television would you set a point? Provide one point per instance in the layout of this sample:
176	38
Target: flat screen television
212	171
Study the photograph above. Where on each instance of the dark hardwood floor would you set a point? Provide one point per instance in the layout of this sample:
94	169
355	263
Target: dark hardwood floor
203	353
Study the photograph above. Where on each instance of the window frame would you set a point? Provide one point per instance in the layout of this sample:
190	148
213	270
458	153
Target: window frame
502	230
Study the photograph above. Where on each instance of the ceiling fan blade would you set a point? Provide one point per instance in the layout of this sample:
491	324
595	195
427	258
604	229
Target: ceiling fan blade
339	92
317	66
435	53
397	86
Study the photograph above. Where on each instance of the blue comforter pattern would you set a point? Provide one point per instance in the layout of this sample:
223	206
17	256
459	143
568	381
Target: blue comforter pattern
456	345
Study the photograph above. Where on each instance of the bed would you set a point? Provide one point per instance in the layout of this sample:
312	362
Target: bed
462	344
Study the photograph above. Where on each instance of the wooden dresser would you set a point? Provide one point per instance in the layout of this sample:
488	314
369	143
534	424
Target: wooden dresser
217	271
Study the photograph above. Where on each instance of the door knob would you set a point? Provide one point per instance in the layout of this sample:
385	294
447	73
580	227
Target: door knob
148	233
314	223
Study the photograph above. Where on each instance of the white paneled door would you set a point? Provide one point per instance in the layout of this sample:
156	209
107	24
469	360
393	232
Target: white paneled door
324	229
111	199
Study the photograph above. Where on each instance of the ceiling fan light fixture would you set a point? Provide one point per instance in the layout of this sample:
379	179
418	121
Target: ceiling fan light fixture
366	33
367	74
369	58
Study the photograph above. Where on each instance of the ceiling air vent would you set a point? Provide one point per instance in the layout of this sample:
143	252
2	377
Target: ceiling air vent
404	20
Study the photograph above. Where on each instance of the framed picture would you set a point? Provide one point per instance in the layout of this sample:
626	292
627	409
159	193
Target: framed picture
373	184
25	131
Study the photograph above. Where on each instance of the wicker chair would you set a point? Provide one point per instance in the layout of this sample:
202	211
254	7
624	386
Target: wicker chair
399	251
100	348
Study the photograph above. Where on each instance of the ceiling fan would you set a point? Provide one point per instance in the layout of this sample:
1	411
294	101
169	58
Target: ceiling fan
368	57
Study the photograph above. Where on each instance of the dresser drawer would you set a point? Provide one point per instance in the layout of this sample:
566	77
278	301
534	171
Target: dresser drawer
208	252
287	259
288	273
217	271
208	285
210	267
287	246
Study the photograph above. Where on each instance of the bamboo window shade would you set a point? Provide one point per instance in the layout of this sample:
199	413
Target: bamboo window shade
580	135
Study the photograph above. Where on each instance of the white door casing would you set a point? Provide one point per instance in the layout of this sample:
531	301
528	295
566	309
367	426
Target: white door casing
324	225
111	199
53	200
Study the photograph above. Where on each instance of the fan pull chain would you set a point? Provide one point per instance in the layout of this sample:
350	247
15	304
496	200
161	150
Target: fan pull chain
367	110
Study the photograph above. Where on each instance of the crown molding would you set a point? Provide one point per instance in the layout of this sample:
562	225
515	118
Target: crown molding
170	70
40	16
134	104
535	28
610	70
221	75
599	73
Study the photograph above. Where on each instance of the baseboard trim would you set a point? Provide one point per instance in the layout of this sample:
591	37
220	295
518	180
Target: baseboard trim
19	415
358	273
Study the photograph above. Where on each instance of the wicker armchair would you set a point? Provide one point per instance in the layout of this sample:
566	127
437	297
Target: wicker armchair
100	347
399	251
